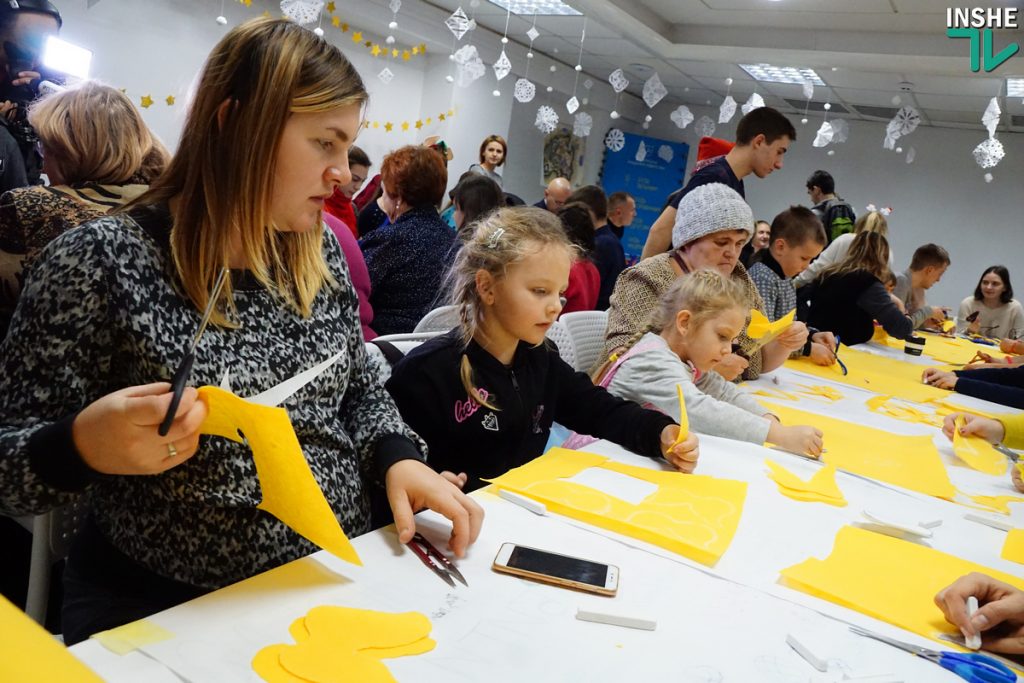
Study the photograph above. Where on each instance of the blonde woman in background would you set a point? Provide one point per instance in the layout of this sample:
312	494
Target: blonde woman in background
873	221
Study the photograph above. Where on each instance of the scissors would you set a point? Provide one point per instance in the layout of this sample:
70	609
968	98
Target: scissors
185	367
842	365
970	666
435	560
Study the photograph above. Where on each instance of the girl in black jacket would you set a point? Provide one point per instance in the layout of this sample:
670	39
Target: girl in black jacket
484	395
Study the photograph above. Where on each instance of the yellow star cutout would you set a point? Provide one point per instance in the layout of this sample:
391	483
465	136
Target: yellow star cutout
366	124
146	102
388	126
330	7
368	43
405	56
416	49
376	124
405	125
336	21
394	53
247	3
429	120
376	50
170	100
451	112
419	124
440	117
423	48
357	37
344	28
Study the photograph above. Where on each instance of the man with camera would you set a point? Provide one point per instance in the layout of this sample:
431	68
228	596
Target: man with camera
25	26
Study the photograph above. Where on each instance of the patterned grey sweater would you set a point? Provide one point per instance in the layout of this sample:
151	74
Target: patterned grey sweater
100	311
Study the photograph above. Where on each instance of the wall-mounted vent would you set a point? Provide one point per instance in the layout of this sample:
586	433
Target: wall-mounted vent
876	112
817	106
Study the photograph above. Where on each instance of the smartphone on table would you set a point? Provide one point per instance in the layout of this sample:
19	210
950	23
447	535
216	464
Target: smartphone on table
556	569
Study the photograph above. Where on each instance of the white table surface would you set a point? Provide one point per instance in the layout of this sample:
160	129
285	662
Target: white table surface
726	623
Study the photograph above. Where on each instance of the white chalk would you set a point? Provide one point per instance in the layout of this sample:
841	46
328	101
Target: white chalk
616	620
819	663
930	524
523	502
974	642
987	520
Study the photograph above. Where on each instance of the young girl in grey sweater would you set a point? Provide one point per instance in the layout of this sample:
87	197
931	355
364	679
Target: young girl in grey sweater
690	331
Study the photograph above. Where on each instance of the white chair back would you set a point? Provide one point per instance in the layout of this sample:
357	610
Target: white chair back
438	320
559	334
403	342
587	331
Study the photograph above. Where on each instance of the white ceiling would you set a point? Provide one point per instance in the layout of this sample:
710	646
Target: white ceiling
866	51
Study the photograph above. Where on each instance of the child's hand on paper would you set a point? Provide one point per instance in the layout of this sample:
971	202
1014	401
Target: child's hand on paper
117	434
1018	479
987	428
412	486
939	378
794	338
731	366
457	479
822	355
682	456
999	619
1014	346
800	439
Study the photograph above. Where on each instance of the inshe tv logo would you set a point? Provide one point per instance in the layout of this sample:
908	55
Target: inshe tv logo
977	23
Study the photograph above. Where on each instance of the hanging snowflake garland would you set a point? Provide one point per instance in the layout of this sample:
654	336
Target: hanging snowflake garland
502	67
582	124
824	136
705	127
302	11
911	155
727	110
469	65
755	101
808	90
615	140
618	80
682	116
385	76
989	153
906	121
458	23
572	105
654	90
524	91
547	119
641	152
991	116
840	130
666	154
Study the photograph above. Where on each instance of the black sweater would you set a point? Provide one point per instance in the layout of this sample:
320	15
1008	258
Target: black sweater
537	389
999	385
848	305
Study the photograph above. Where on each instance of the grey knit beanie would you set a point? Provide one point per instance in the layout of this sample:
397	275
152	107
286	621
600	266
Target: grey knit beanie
709	209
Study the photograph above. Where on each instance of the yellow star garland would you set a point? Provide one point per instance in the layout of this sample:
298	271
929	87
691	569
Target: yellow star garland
388	126
146	102
357	37
170	100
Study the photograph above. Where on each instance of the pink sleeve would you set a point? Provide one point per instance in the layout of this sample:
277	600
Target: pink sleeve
357	269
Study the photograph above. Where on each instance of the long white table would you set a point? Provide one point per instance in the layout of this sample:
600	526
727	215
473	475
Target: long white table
726	623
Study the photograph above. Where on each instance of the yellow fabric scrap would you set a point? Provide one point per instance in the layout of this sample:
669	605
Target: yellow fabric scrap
290	491
1013	548
883	405
996	503
693	515
887	578
30	653
948	325
822	390
820	488
912	462
976	452
763	330
684	420
124	639
777	393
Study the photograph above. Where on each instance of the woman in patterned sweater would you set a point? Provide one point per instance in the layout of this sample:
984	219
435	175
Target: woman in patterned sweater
115	303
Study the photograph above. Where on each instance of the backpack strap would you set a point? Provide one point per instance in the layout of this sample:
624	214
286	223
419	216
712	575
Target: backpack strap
392	354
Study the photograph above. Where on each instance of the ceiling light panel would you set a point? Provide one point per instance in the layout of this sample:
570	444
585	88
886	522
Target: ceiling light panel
781	74
528	8
1015	87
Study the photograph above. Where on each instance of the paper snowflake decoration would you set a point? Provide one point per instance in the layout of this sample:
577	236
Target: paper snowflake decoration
989	153
302	11
582	124
533	33
457	23
808	90
469	65
666	154
727	110
524	91
991	116
641	151
547	119
906	121
572	105
502	67
588	84
911	155
654	90
705	127
615	140
618	80
889	142
394	6
988	177
385	76
755	101
824	135
682	116
840	130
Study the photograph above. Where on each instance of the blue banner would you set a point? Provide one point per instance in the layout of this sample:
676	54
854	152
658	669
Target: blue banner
650	170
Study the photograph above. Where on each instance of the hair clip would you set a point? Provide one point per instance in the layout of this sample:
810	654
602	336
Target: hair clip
492	241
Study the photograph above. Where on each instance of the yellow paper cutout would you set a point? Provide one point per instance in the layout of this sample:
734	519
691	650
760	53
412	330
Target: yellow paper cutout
290	492
777	393
822	390
1013	548
948	325
875	373
820	488
693	515
944	408
684	420
30	653
124	639
954	350
887	578
1020	467
342	643
908	461
884	405
977	452
996	503
764	331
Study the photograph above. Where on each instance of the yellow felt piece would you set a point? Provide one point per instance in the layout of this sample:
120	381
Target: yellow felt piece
777	393
763	330
361	628
315	660
298	631
30	653
875	373
267	665
977	452
684	419
822	390
693	515
1020	467
1013	548
883	406
124	639
954	350
820	488
290	491
912	462
997	503
948	325
417	647
887	578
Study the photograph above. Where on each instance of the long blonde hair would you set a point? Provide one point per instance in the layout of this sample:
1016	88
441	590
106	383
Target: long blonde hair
222	176
500	240
93	133
872	221
869	251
